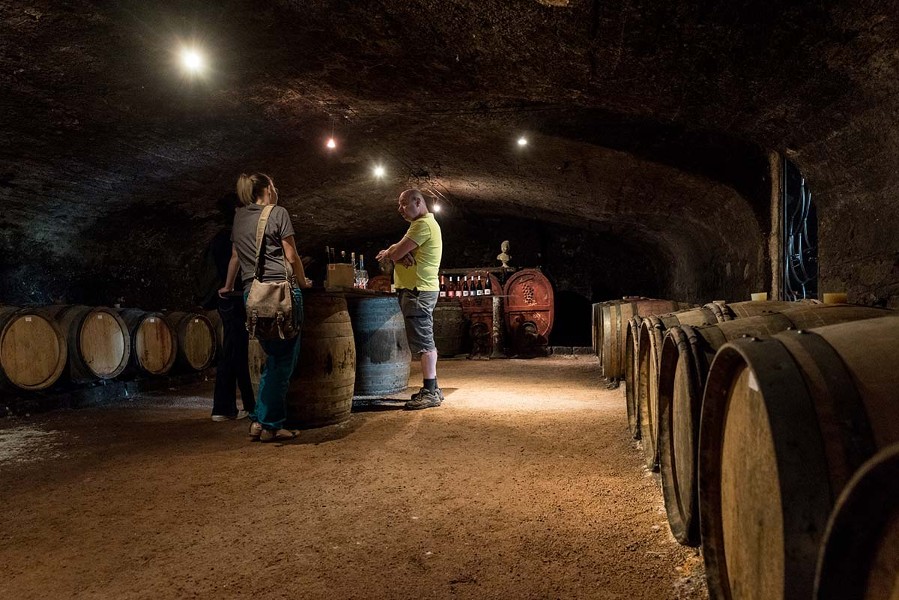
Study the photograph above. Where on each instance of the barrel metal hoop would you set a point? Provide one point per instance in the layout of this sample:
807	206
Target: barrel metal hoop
838	401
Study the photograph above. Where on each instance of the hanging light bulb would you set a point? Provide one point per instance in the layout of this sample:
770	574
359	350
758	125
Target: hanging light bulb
436	207
192	61
379	171
331	143
522	141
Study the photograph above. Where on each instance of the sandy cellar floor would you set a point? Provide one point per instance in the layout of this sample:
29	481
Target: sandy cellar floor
524	484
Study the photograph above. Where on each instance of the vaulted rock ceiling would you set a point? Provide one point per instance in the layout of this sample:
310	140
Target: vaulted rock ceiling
649	120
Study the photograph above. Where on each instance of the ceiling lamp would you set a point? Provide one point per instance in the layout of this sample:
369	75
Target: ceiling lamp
192	61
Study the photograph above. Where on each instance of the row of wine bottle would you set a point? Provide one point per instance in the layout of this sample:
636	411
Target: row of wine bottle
341	258
463	288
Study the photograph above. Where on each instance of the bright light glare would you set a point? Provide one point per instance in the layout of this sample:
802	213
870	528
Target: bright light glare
192	60
379	171
331	143
436	207
522	141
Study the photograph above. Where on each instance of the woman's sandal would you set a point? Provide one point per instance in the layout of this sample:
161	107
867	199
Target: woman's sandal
281	435
255	430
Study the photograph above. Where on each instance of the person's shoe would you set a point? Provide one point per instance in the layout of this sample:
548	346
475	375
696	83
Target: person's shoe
425	399
415	396
241	414
255	430
280	435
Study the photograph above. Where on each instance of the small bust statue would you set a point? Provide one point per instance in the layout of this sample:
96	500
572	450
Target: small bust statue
504	256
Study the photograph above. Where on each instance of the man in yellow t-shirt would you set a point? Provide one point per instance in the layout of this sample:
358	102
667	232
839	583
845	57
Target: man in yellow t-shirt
417	258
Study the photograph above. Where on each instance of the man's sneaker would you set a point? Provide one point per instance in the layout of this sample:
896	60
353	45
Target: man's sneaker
241	414
421	390
424	399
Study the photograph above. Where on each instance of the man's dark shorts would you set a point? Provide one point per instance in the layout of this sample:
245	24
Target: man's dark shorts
418	310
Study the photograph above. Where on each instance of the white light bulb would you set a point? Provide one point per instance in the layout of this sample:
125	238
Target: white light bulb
192	60
331	143
379	171
436	207
522	141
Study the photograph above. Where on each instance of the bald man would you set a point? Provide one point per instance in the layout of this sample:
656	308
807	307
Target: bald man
417	257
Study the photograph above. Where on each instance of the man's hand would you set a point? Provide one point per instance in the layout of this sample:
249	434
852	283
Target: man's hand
382	255
225	290
408	260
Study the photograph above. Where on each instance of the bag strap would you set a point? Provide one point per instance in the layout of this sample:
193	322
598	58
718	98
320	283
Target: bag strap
260	234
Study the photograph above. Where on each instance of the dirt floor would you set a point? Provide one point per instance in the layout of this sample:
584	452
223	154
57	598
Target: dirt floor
524	484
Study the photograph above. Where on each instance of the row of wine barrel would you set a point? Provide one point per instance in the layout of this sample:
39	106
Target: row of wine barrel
772	425
40	345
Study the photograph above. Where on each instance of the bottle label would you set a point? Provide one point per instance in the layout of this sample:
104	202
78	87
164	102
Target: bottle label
487	292
464	293
480	292
443	294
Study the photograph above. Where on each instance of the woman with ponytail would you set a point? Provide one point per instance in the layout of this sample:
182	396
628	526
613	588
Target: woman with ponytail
278	245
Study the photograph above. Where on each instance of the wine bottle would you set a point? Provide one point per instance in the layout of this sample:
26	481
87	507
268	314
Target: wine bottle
479	289
488	287
328	254
442	287
453	291
465	289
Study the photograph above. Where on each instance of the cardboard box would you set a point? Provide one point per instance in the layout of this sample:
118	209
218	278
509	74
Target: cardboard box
340	275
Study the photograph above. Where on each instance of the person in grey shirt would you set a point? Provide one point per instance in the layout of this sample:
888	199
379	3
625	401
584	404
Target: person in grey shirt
256	192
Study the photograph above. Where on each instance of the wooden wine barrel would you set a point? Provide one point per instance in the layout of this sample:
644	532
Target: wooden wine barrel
449	328
686	356
859	558
529	311
33	349
786	421
97	338
382	352
153	342
594	326
615	319
602	316
646	366
196	339
631	353
752	308
321	389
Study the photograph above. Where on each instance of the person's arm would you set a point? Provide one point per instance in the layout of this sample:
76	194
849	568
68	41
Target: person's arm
233	265
290	255
400	252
